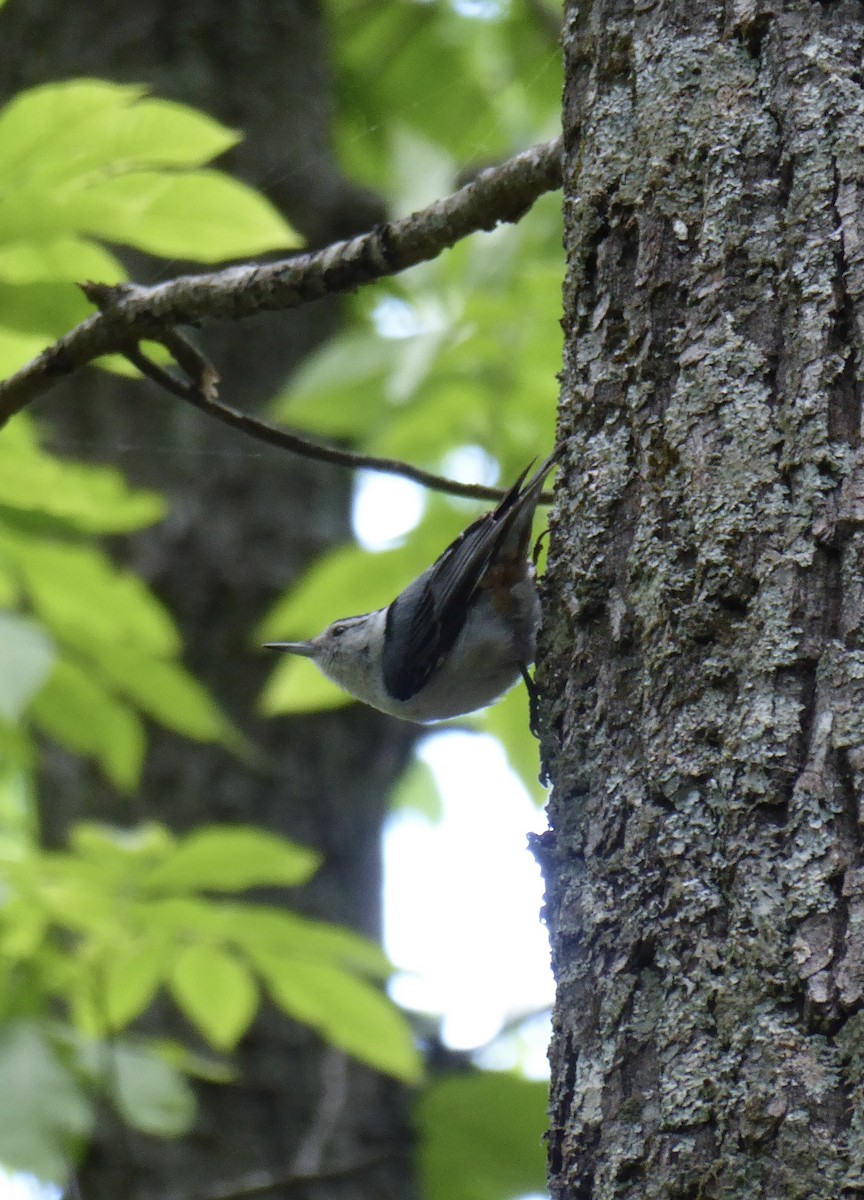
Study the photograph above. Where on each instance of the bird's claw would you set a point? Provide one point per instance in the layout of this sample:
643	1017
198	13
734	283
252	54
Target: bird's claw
533	702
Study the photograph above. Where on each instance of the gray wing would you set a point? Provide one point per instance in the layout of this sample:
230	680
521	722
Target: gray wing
424	622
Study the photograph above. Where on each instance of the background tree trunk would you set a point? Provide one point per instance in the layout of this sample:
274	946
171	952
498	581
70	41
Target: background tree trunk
244	522
705	606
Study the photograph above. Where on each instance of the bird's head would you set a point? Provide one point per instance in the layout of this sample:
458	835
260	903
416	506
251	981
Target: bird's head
344	652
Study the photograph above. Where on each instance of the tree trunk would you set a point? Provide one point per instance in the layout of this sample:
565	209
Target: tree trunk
705	607
245	522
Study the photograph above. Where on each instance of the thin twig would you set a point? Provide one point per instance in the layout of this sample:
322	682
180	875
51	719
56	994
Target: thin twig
302	445
258	1183
328	1111
131	313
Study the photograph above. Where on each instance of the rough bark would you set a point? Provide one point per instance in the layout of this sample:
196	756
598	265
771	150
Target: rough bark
704	635
245	521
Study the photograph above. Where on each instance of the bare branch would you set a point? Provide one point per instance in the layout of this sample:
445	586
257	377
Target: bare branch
130	313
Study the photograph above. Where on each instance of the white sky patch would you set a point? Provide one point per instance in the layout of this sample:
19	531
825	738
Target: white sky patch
396	319
25	1187
471	464
386	508
524	1049
481	10
461	899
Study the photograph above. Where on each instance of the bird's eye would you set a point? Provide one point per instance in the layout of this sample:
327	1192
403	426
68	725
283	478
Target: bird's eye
338	627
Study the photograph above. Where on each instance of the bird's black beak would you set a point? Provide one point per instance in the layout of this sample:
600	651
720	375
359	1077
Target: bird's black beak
306	649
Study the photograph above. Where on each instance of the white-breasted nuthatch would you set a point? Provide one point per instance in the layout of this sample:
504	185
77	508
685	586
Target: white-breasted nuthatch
459	636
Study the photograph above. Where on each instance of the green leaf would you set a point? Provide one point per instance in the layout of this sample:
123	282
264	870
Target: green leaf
131	978
417	790
346	1011
199	1066
498	60
16	349
93	499
43	309
151	1095
339	390
481	1137
165	691
453	412
44	1113
44	126
84	598
216	992
75	710
18	819
79	157
121	848
26	657
203	215
423	170
229	859
430	51
278	934
65	259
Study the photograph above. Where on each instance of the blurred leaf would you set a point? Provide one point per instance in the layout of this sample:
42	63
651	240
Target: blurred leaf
198	1066
75	710
92	157
81	595
151	1095
275	933
17	348
229	859
132	976
123	849
216	992
499	69
18	821
456	413
165	691
482	1137
206	216
324	396
423	171
66	259
44	1113
346	1011
41	310
26	657
61	130
417	790
93	499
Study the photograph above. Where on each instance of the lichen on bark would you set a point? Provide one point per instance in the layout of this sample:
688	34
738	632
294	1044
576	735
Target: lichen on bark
704	630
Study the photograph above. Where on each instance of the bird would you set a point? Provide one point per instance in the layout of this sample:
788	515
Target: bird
460	635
